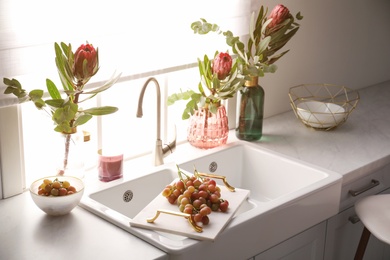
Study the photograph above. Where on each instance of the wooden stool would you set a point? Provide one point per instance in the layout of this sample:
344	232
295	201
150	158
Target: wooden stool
374	212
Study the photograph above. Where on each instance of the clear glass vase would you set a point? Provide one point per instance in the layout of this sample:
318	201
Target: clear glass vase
251	111
71	155
208	130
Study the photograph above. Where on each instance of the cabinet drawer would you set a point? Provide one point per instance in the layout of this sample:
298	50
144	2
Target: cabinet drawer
367	185
343	235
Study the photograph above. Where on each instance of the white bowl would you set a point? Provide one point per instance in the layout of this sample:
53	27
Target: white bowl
57	205
321	114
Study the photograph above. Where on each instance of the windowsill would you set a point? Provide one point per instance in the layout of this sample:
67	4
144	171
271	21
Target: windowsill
142	165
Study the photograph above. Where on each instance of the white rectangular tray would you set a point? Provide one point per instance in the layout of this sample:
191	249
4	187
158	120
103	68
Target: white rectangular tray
180	226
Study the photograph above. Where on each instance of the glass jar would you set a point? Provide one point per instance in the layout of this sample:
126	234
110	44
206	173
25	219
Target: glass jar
208	130
71	154
251	111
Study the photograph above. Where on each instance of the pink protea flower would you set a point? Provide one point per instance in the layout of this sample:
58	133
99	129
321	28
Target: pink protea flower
279	14
222	64
86	52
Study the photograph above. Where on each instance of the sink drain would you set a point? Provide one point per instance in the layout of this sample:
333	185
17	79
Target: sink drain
213	167
127	196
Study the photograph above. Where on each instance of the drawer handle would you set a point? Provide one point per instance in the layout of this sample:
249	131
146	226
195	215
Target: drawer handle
373	184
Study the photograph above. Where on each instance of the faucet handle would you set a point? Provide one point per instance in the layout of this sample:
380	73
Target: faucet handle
171	147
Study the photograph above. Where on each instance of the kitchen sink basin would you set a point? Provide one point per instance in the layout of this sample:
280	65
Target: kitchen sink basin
268	176
130	197
286	197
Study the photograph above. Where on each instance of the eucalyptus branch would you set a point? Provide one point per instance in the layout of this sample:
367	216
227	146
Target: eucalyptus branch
267	35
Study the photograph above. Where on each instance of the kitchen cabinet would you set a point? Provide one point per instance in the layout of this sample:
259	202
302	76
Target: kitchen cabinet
343	235
344	229
338	237
306	245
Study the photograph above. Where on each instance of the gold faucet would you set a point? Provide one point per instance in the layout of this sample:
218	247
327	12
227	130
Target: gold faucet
159	151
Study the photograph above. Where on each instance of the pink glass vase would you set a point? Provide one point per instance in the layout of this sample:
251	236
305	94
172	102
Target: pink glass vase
208	130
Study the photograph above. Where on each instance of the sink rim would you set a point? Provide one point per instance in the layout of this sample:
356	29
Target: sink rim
316	184
180	246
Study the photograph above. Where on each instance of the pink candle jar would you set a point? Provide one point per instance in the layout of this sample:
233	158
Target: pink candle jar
110	166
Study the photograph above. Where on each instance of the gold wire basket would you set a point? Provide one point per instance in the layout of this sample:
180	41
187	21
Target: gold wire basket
323	106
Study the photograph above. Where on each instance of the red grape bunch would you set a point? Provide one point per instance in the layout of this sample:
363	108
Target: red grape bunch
196	195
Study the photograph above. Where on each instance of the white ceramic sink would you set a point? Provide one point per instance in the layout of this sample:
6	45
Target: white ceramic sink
286	197
268	176
130	197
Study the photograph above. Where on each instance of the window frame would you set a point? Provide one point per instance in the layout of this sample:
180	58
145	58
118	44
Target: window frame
21	52
11	152
14	183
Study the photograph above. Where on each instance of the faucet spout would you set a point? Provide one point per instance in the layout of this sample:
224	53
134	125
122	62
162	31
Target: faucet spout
140	101
158	152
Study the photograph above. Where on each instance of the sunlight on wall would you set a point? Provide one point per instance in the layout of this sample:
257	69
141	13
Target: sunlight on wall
139	39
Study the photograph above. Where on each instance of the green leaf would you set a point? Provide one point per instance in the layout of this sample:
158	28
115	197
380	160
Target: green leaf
252	27
271	68
39	103
52	89
179	96
14	87
12	82
82	119
11	90
242	55
99	111
213	108
186	115
63	68
263	45
66	49
70	92
55	102
65	114
215	28
59	115
36	94
62	128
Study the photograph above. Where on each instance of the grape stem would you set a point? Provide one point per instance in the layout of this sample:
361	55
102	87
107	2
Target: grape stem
181	173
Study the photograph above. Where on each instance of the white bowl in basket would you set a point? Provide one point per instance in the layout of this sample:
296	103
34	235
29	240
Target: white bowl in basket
323	106
320	114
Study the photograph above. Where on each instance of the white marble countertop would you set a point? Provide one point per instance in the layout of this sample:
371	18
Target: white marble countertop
356	148
26	232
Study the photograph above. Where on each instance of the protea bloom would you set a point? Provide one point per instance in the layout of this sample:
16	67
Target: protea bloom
279	14
86	63
222	64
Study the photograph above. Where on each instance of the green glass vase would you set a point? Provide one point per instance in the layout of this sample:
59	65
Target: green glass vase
251	111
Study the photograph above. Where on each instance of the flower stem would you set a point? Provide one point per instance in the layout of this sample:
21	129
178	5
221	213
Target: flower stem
67	144
68	135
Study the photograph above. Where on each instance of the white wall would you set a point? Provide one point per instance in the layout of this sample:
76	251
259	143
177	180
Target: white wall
344	42
340	41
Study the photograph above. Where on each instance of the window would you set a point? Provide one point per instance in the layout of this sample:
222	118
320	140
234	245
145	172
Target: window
139	39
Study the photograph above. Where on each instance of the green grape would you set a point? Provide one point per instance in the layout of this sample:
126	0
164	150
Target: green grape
166	192
54	192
